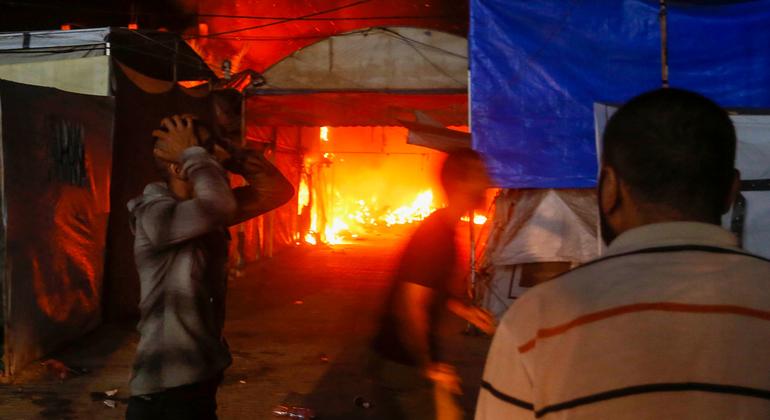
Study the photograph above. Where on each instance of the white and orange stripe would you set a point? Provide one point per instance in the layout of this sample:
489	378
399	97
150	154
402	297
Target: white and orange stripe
673	323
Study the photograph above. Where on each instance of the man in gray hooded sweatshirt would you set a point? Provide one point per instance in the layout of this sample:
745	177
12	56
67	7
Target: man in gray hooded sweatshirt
180	248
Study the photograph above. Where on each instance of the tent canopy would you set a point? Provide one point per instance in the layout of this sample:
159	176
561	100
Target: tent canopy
372	77
161	55
537	68
382	58
260	33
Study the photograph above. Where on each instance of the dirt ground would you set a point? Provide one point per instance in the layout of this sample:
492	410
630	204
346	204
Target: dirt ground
298	325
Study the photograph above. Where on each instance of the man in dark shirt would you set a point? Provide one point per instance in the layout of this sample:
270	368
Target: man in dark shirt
409	366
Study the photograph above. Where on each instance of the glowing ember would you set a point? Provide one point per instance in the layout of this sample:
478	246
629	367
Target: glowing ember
334	230
421	207
478	219
303	196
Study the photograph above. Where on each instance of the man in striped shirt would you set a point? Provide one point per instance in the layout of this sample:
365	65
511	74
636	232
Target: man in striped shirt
674	321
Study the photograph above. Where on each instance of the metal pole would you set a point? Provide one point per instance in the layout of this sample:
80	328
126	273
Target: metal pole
472	236
664	43
176	61
470	328
271	215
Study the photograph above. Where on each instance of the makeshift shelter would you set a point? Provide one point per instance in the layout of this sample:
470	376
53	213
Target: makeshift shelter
56	159
372	77
339	64
96	152
537	68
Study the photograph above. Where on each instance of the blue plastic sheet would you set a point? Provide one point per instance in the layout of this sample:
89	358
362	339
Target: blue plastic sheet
538	67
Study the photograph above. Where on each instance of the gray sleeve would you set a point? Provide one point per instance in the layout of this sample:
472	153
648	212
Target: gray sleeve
213	206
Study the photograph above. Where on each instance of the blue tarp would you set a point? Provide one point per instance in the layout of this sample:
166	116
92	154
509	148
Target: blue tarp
537	67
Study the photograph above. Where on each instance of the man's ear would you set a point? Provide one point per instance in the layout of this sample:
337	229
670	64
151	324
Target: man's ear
176	169
609	190
735	189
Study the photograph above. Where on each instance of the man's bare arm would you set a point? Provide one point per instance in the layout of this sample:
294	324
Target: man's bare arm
412	307
411	311
482	319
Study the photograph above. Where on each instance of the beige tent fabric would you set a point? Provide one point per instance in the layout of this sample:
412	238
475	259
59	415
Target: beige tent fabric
377	58
90	75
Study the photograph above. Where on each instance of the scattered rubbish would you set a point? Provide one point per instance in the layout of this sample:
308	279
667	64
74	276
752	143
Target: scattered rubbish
111	392
298	302
363	402
60	370
324	358
110	403
293	412
241	381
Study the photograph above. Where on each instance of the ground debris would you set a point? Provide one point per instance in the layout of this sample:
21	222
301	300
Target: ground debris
60	370
363	402
293	412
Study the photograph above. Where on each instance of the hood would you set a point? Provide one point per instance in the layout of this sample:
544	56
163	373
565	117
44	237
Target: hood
152	193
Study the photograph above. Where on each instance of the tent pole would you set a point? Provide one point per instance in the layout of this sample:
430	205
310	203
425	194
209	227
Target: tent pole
663	16
470	328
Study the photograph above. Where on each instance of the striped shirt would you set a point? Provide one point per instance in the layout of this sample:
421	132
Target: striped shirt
674	322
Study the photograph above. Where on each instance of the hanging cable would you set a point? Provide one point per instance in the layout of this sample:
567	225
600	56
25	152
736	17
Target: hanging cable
279	22
664	43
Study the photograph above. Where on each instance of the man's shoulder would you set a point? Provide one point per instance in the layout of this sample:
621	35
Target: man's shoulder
610	277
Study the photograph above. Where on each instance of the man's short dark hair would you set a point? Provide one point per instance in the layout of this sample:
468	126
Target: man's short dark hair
673	148
459	165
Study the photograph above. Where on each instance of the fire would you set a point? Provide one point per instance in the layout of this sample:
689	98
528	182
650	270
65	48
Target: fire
421	207
303	196
333	232
358	216
478	219
349	189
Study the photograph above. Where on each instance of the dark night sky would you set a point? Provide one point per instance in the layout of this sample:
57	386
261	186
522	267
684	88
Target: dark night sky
17	15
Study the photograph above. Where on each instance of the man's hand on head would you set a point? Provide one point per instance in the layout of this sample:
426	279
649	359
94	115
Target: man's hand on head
179	134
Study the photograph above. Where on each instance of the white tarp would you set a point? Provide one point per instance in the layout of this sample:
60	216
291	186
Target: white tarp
53	39
89	76
74	61
535	226
376	59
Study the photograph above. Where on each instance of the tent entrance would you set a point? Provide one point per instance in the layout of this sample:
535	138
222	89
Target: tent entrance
362	182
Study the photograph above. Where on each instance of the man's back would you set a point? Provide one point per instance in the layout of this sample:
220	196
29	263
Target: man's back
673	323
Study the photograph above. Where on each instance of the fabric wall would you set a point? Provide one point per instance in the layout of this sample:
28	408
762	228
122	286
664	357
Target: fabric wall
140	104
537	68
56	164
89	75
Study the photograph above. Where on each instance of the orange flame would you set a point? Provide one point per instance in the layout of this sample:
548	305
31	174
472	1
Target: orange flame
335	202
